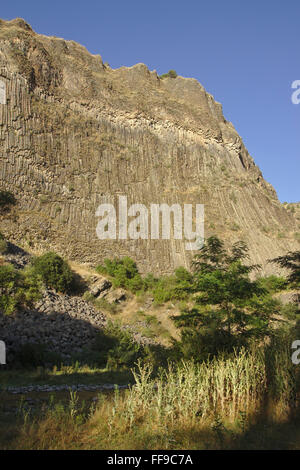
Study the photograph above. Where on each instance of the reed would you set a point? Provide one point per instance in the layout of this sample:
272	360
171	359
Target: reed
188	405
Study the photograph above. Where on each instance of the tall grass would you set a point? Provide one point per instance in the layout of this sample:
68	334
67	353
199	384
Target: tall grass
187	405
187	391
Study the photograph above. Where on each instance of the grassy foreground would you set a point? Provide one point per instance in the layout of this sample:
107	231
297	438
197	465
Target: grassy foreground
246	401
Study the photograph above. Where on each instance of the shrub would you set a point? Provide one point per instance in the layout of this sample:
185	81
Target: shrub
272	283
204	343
7	199
17	288
124	273
150	282
290	311
32	284
162	293
54	271
115	347
170	74
177	287
10	289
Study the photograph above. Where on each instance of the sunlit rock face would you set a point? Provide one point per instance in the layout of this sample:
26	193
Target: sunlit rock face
75	133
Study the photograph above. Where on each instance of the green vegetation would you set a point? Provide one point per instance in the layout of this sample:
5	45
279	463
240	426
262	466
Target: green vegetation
124	273
229	372
115	348
54	271
220	404
272	283
291	261
224	310
170	74
229	308
176	287
17	288
20	288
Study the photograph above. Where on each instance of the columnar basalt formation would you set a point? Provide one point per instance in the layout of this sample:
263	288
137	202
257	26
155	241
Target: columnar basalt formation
75	133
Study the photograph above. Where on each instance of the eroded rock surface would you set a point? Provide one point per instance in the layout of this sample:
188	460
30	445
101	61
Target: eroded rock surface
75	133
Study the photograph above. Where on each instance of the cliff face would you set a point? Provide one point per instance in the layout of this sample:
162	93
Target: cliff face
75	133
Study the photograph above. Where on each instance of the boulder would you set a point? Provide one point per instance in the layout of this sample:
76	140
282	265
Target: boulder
116	296
100	286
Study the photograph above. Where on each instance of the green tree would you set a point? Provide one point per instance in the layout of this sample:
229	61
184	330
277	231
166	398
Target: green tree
291	262
222	279
229	307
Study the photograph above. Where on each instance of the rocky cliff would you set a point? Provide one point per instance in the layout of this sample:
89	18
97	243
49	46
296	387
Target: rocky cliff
75	133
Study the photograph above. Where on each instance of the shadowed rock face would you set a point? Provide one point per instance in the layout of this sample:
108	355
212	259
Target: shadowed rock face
75	133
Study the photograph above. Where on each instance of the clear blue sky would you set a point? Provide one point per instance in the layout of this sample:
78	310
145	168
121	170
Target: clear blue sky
246	54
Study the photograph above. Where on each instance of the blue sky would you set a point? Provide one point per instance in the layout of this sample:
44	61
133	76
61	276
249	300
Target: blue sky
246	54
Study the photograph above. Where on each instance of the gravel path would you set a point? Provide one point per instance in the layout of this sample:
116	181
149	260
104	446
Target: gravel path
59	388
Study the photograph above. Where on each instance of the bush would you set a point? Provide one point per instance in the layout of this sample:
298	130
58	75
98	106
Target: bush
272	283
115	347
177	287
32	285
17	288
124	272
7	199
54	271
290	311
150	282
170	74
205	343
10	289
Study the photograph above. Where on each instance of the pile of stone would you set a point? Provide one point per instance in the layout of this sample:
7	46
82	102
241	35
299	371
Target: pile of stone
65	324
101	288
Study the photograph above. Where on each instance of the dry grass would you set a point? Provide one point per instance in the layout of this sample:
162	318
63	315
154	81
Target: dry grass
221	404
